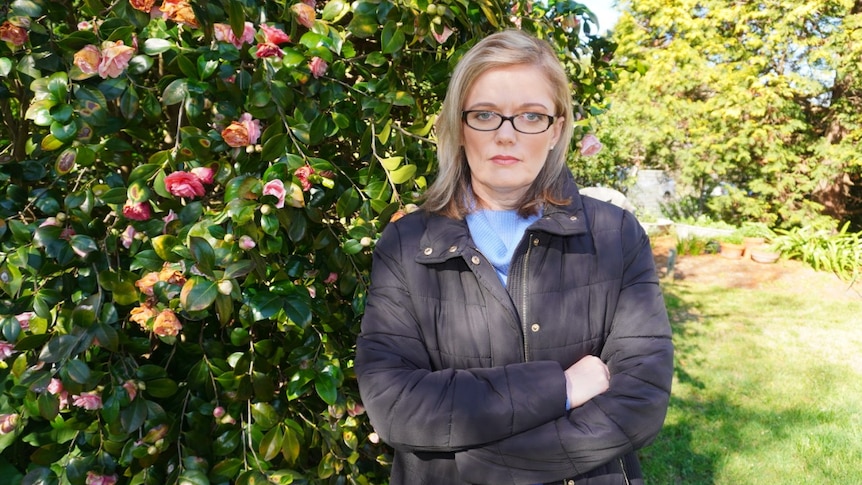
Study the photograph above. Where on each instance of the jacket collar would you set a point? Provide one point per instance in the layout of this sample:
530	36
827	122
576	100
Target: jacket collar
445	238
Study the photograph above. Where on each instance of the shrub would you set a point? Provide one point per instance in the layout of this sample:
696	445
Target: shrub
191	192
839	252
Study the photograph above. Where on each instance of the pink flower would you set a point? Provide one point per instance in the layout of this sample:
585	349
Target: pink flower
94	478
218	412
224	33
274	35
302	173
441	37
128	236
137	211
184	184
131	388
55	386
85	25
88	59
304	14
333	276
205	174
172	216
8	422
318	67
115	59
6	350
276	188
246	243
590	145
267	49
88	400
24	319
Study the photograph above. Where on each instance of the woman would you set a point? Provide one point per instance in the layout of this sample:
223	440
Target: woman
515	332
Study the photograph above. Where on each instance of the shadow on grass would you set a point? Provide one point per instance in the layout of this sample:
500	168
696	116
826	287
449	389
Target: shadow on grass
731	435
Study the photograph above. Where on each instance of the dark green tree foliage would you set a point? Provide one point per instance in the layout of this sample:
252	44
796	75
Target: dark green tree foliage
190	195
761	98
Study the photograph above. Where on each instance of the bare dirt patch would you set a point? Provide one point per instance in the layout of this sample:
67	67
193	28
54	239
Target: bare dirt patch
745	273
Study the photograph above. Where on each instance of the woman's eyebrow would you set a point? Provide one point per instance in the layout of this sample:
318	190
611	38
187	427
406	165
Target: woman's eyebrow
492	106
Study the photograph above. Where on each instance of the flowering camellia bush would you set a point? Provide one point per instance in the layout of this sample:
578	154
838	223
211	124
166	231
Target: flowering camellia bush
190	194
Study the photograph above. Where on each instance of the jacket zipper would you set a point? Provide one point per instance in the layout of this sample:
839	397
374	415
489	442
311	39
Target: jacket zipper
625	474
524	311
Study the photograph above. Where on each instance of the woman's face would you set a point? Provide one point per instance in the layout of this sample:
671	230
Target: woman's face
503	163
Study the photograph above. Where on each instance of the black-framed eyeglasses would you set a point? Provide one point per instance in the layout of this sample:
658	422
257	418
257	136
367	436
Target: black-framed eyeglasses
528	122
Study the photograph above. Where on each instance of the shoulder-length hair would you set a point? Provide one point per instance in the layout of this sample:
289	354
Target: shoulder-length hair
449	194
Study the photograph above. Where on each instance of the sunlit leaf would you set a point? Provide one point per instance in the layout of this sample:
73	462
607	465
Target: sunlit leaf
198	293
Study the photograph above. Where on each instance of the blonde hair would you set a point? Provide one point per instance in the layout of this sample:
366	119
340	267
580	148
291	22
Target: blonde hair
448	195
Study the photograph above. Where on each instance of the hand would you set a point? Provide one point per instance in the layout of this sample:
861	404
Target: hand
586	379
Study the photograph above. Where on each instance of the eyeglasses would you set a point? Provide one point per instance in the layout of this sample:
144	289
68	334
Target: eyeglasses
528	123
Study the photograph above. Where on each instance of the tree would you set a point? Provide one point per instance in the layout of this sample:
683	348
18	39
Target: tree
761	97
191	191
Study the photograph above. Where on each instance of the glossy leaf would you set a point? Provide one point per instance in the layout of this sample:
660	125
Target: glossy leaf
198	293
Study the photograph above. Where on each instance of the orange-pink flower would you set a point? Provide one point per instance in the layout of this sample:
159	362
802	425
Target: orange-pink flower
141	315
13	34
242	133
94	478
167	324
305	14
146	283
184	184
180	11
142	5
115	58
88	59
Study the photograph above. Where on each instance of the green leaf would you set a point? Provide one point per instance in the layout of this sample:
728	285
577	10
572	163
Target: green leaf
83	245
393	38
290	446
161	388
391	163
227	442
264	306
271	444
164	245
362	25
326	387
334	10
121	284
238	269
155	46
193	477
176	92
78	371
264	415
203	254
198	293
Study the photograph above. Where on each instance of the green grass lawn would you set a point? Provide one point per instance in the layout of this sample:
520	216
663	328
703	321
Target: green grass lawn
768	387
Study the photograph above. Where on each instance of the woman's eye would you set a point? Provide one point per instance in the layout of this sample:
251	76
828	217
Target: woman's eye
484	115
531	117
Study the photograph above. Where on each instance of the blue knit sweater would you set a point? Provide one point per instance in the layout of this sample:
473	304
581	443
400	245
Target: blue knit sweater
497	234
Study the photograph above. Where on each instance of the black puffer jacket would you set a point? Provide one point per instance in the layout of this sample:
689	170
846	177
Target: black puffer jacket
465	379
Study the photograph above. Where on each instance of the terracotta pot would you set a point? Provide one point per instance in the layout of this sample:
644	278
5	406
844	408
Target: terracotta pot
732	251
751	243
764	256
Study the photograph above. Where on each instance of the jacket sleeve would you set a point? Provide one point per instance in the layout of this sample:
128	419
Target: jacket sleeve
628	416
416	408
